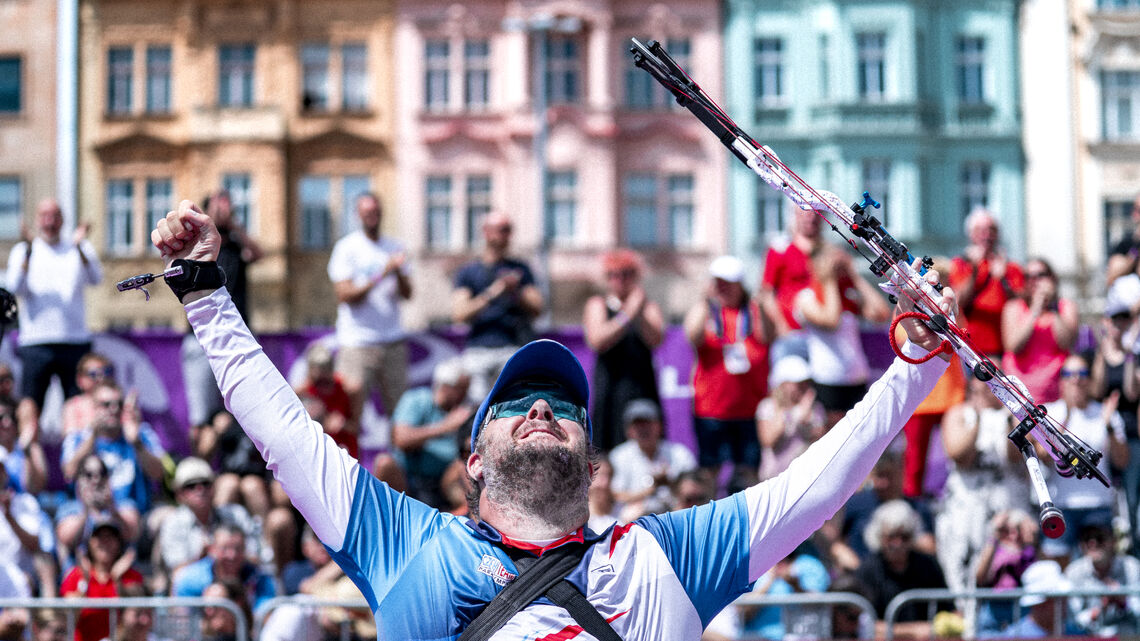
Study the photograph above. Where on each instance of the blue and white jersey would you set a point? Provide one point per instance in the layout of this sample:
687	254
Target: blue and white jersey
427	575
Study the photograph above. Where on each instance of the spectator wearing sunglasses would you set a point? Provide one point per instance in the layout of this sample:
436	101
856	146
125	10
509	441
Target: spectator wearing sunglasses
79	410
1039	329
1115	370
186	532
118	435
624	327
1099	426
94	500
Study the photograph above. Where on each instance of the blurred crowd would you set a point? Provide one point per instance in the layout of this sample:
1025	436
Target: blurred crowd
948	506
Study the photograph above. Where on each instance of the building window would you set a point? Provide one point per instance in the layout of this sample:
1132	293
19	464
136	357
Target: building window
120	69
769	62
11	201
1120	93
439	212
824	65
478	206
657	210
159	200
1118	5
315	77
639	203
562	69
437	54
771	206
354	74
640	88
871	56
877	182
642	91
11	84
561	205
158	69
355	185
235	75
975	186
679	191
240	188
1118	223
315	195
970	63
120	202
476	74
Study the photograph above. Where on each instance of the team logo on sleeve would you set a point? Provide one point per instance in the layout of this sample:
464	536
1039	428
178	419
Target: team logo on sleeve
494	568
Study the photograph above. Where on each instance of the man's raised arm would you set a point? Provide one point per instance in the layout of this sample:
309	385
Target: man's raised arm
318	476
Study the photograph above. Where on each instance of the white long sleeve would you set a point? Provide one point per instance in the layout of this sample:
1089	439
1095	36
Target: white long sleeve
784	510
318	476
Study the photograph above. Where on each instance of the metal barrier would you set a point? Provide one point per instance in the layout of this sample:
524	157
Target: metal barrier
310	605
807	615
968	602
158	604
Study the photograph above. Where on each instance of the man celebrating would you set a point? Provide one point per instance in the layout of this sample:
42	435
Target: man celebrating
370	278
428	575
48	275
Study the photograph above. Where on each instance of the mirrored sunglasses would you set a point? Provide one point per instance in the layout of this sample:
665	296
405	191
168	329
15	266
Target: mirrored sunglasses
518	399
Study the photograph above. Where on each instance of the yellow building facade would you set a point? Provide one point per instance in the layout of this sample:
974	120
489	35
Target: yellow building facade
285	103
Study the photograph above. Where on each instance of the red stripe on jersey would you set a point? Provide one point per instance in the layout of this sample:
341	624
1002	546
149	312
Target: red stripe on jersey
619	531
571	631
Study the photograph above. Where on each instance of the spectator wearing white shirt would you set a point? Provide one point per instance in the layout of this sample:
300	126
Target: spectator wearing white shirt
186	532
48	275
1099	566
20	530
369	273
645	464
1098	425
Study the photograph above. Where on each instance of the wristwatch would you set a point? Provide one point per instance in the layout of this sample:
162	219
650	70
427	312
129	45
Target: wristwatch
197	275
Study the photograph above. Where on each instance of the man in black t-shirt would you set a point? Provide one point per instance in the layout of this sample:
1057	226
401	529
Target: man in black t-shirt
496	297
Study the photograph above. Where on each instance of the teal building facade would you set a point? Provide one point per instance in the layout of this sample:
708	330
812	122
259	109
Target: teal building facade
915	101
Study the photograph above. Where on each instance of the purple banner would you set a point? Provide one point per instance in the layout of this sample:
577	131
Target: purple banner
150	362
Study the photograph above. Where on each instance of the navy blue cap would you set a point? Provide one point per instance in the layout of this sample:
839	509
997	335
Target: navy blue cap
545	360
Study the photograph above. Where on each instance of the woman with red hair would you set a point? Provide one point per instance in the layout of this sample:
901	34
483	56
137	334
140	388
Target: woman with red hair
623	326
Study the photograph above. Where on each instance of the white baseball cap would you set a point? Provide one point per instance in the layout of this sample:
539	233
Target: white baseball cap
727	268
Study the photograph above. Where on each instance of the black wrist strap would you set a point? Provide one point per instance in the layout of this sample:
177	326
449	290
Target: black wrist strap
197	275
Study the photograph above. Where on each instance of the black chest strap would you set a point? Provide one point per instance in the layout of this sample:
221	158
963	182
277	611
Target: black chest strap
545	575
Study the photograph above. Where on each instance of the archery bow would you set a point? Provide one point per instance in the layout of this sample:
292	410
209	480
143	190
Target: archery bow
891	259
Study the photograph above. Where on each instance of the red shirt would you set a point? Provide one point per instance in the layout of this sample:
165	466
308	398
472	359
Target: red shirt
717	393
787	271
983	315
336	400
93	625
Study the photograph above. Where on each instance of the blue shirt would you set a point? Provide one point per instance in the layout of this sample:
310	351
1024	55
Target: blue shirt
193	579
127	479
417	408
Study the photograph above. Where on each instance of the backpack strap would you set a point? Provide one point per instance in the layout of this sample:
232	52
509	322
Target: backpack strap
540	576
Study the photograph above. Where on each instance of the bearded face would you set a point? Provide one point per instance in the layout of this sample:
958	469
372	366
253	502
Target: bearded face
537	477
536	464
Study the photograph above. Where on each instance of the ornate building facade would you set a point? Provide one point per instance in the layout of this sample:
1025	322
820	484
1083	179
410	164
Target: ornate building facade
285	103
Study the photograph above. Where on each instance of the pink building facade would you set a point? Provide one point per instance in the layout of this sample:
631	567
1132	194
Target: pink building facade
623	165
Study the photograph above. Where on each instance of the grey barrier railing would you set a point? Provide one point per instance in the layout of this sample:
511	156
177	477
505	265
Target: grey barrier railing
310	605
969	601
790	605
161	606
